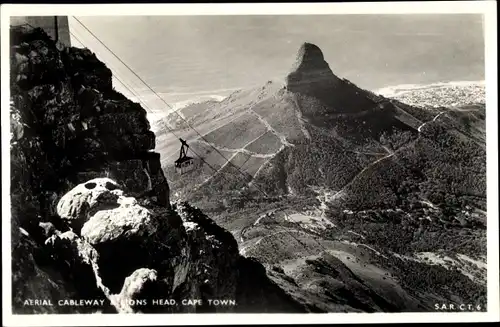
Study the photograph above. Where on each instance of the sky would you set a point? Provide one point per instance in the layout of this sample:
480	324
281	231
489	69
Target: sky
187	57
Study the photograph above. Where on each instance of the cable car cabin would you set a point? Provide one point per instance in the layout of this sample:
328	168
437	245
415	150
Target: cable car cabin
185	163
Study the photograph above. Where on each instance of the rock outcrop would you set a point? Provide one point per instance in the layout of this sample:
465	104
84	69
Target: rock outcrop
311	76
141	252
91	213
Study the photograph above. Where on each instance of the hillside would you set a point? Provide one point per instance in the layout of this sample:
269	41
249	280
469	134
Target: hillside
314	167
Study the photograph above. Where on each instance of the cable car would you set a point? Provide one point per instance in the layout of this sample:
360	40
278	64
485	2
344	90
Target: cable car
185	163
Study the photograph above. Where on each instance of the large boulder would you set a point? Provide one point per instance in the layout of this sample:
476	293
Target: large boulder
128	220
127	234
81	202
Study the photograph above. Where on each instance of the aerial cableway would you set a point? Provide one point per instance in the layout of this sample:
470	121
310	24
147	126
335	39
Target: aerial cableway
167	104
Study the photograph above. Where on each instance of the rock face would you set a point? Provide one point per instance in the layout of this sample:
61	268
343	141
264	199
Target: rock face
311	76
131	255
76	126
91	214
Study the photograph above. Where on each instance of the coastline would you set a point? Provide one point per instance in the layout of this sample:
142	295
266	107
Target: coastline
396	90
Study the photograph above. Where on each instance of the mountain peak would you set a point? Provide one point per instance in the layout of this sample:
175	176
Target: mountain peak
309	54
311	76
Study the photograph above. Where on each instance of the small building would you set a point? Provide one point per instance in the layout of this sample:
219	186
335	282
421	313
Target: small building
57	27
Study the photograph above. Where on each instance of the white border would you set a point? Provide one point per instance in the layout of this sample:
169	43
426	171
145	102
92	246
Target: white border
487	8
312	8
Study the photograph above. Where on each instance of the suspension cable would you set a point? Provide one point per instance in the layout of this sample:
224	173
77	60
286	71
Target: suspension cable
170	107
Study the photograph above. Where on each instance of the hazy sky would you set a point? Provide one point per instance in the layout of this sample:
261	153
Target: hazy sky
184	56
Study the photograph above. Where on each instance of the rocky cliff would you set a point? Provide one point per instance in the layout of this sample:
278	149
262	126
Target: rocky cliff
91	214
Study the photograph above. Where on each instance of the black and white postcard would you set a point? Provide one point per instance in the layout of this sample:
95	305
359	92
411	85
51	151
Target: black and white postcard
260	163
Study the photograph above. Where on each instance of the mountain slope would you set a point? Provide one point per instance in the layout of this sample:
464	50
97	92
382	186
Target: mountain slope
316	166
